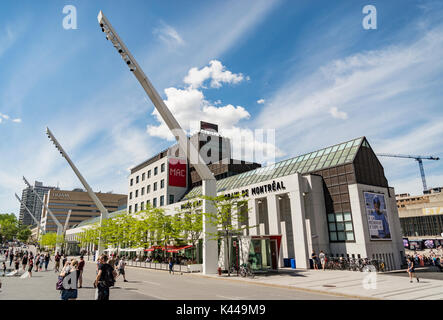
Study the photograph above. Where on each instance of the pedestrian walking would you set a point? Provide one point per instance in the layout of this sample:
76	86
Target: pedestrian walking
80	267
57	262
42	261
121	269
47	259
11	257
37	262
4	268
171	265
322	257
17	263
105	279
30	265
314	260
65	258
24	261
411	270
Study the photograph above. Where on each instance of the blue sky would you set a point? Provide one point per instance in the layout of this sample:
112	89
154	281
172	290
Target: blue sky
319	76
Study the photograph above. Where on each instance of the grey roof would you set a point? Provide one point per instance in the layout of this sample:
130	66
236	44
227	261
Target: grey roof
332	156
97	219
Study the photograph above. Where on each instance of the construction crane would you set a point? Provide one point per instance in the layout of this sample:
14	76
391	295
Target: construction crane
418	159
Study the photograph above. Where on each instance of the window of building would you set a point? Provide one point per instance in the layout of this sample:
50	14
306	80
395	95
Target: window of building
340	227
148	203
142	191
162	183
135	207
130	195
155	186
142	206
143	177
154	202
148	189
155	171
171	198
149	174
130	209
162	168
132	182
162	201
136	193
136	179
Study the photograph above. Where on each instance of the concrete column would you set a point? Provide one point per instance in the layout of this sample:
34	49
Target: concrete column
209	246
253	217
299	226
273	215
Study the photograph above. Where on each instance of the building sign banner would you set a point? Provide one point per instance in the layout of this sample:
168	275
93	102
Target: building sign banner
432	211
377	216
177	173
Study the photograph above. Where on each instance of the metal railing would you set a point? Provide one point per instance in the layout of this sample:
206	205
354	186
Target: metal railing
158	266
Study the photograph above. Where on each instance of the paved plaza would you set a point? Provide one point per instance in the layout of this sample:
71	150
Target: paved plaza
147	284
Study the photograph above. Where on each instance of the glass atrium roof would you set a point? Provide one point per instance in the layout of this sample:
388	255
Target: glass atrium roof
97	219
318	160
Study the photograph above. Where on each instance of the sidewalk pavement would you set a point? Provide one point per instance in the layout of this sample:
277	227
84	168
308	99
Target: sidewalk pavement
346	284
349	284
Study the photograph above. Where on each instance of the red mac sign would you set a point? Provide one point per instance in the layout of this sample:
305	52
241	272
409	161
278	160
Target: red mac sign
177	173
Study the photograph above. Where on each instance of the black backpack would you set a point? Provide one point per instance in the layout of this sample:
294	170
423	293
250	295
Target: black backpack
108	277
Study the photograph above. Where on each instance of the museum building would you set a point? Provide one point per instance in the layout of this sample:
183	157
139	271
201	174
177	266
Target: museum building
336	199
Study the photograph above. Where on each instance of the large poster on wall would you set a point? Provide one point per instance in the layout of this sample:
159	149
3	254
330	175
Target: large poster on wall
377	216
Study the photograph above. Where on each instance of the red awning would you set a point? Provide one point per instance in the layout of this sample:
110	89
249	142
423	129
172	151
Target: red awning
177	249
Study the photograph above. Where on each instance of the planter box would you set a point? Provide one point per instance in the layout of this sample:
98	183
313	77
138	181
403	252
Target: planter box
195	268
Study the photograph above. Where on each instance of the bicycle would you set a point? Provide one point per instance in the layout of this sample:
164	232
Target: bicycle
246	271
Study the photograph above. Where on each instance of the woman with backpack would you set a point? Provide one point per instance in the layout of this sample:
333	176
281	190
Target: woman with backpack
71	292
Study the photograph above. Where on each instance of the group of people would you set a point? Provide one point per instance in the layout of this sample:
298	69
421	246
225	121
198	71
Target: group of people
26	259
319	260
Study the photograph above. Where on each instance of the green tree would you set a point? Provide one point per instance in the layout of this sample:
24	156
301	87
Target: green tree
189	222
230	218
8	227
23	233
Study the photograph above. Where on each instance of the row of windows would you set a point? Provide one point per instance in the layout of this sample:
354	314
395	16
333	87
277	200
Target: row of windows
340	227
148	189
143	176
154	203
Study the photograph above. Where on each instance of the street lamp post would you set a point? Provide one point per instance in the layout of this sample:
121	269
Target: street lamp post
98	203
57	223
208	180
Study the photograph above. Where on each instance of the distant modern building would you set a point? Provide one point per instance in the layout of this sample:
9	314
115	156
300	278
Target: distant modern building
33	204
166	177
81	204
421	216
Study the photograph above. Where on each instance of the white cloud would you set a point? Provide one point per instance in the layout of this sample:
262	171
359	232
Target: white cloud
261	101
338	114
189	105
215	72
18	120
4	116
168	35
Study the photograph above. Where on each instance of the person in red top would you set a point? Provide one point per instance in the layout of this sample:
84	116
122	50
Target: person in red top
80	267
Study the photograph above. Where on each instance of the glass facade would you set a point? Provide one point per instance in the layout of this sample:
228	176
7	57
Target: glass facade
314	161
